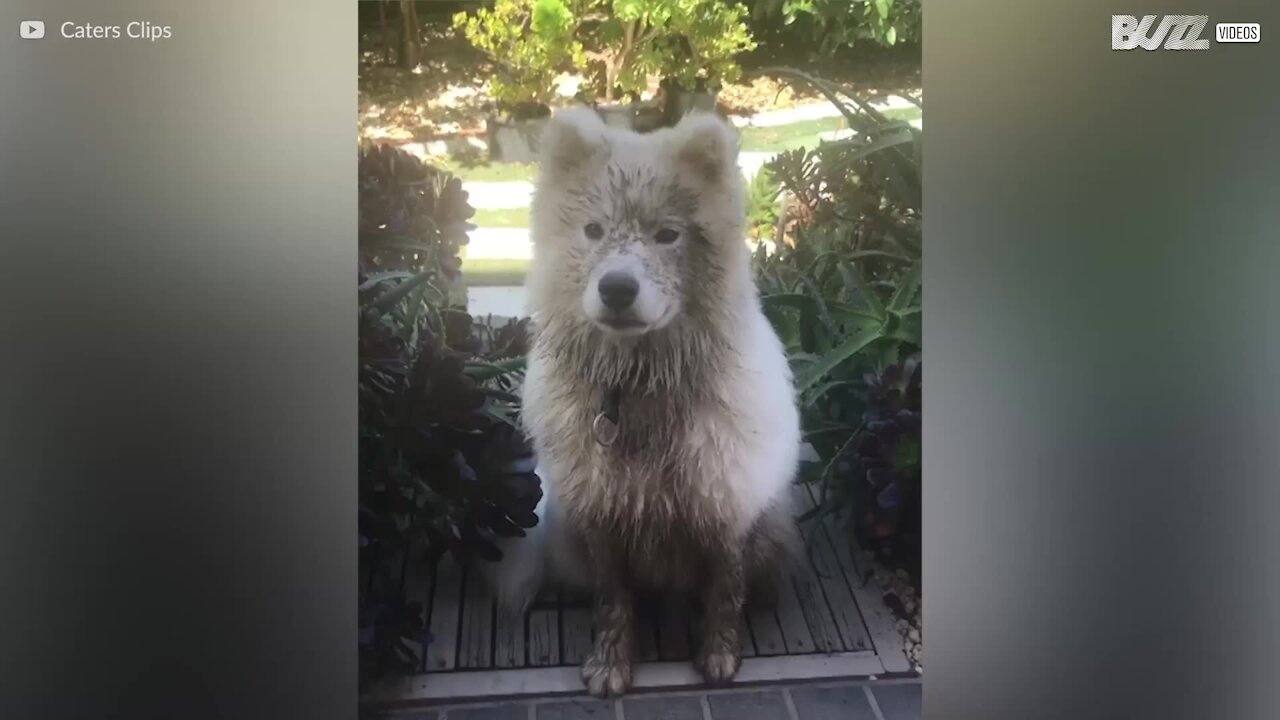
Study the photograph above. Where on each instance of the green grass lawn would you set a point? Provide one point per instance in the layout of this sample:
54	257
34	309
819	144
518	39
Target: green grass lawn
787	137
769	139
491	272
502	218
495	172
805	133
766	139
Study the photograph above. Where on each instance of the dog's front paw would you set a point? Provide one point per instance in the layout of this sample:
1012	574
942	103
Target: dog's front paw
606	675
719	664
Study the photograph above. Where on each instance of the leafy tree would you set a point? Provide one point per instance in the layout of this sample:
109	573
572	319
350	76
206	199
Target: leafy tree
685	40
411	46
627	41
528	41
841	23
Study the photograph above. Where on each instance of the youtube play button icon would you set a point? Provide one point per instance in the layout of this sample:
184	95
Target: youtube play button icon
31	29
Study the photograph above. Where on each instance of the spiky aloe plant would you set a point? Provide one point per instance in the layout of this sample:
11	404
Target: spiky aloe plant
843	292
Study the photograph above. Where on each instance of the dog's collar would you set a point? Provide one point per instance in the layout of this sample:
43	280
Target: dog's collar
608	423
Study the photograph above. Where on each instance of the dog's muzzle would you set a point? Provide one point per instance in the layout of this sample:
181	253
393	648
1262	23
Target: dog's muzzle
618	290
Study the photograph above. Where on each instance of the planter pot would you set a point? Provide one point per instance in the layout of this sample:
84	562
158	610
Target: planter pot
619	116
514	140
517	140
456	146
648	118
681	102
698	100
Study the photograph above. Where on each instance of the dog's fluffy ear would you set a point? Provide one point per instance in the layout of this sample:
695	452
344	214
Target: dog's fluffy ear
708	145
571	141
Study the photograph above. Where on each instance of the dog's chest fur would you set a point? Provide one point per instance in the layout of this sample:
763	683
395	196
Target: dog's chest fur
659	493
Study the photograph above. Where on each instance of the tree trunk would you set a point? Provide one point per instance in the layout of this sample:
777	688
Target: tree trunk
610	77
384	31
410	51
620	60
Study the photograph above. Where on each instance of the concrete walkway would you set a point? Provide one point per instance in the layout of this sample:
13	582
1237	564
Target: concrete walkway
498	195
499	244
810	111
513	243
499	300
864	700
508	195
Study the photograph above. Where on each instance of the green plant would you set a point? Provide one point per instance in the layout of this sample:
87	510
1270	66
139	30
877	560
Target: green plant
887	460
688	41
833	24
442	465
528	42
625	42
844	295
762	205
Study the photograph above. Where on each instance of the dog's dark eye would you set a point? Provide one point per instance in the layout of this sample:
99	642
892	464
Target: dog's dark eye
594	231
666	236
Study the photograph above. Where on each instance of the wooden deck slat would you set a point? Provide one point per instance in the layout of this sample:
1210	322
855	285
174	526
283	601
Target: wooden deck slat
816	611
646	646
446	607
877	618
475	644
814	602
673	627
766	632
828	622
745	639
509	639
834	583
791	620
395	580
575	630
417	588
544	631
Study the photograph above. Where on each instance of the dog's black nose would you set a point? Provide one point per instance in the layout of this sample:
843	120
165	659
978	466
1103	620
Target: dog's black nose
618	290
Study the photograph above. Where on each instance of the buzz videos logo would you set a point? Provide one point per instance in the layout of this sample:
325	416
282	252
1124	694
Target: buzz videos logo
1176	32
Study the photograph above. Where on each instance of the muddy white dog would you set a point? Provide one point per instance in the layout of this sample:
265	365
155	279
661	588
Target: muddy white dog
658	397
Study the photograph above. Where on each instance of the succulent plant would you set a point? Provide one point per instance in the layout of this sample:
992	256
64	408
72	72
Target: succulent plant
412	216
887	495
442	464
843	292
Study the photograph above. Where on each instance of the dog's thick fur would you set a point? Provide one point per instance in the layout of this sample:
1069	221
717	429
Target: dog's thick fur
693	495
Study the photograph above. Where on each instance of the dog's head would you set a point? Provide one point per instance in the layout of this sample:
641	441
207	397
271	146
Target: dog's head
635	232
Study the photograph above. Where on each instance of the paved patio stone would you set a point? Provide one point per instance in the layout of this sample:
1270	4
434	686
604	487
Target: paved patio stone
582	709
740	706
846	702
677	707
843	701
410	715
898	702
496	712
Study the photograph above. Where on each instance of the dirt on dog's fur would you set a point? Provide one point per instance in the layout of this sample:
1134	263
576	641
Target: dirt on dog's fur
641	285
